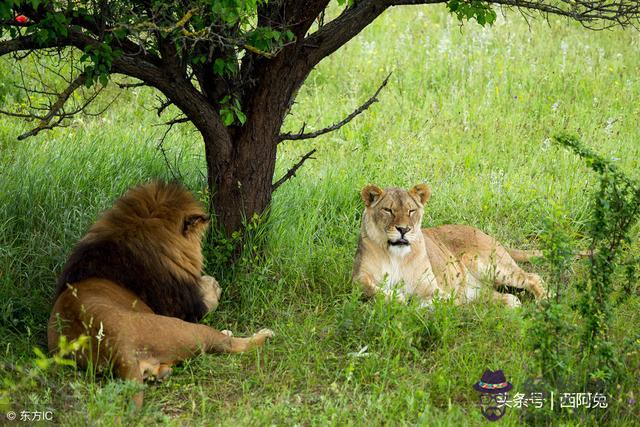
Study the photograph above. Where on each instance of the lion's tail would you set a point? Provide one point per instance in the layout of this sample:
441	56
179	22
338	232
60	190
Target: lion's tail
520	255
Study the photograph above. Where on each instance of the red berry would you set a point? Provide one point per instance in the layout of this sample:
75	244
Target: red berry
21	19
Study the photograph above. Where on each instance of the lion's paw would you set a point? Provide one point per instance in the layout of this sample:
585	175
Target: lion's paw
511	301
267	333
211	284
211	292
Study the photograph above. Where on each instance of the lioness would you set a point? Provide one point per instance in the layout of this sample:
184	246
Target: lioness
399	259
134	285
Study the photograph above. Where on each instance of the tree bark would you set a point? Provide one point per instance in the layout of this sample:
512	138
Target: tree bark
241	184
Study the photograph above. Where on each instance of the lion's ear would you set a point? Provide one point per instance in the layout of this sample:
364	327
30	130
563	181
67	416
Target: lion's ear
421	193
193	221
370	194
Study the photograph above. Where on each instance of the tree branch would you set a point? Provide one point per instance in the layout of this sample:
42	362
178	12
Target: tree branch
338	125
143	67
54	110
131	85
605	12
28	43
336	33
292	172
331	36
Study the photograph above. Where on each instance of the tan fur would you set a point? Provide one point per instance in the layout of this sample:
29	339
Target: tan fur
445	261
162	226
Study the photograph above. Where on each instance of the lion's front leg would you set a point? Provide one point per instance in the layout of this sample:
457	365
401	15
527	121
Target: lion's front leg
368	285
211	292
370	289
427	289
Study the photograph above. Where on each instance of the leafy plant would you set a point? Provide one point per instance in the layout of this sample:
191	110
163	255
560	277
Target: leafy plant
20	378
615	209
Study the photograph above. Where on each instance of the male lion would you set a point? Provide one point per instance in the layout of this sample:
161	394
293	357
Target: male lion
134	285
396	257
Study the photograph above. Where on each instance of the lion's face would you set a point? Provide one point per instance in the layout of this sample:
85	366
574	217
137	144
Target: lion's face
393	217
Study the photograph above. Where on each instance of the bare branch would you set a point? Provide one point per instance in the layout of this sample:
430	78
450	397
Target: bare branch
174	121
164	104
593	14
64	95
20	115
54	110
131	85
40	128
338	125
292	172
163	151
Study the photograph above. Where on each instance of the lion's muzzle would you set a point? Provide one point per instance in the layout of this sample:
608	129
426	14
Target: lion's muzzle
402	240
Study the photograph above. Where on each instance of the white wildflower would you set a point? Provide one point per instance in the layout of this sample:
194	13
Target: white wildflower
100	335
608	129
360	353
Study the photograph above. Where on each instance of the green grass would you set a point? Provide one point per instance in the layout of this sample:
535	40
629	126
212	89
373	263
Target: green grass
469	110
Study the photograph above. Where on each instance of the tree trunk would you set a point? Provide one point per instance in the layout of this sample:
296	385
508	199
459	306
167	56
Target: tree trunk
240	179
241	184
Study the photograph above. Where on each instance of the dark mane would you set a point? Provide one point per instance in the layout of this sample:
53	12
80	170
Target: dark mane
136	245
168	296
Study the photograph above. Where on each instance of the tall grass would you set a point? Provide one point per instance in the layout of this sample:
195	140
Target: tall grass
469	110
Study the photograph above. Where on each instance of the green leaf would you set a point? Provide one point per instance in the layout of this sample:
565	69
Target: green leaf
227	116
242	118
219	66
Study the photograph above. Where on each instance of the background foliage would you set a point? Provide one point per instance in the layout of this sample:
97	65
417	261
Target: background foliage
470	110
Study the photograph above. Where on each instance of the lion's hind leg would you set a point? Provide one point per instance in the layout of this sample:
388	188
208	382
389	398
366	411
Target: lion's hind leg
498	267
174	340
511	275
504	271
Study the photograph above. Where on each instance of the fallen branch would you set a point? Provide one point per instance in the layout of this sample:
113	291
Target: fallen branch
292	172
338	125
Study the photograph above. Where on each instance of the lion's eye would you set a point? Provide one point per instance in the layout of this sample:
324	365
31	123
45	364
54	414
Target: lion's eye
387	210
411	211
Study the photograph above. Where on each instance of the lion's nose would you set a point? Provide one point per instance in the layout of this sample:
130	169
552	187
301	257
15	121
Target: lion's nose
403	230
